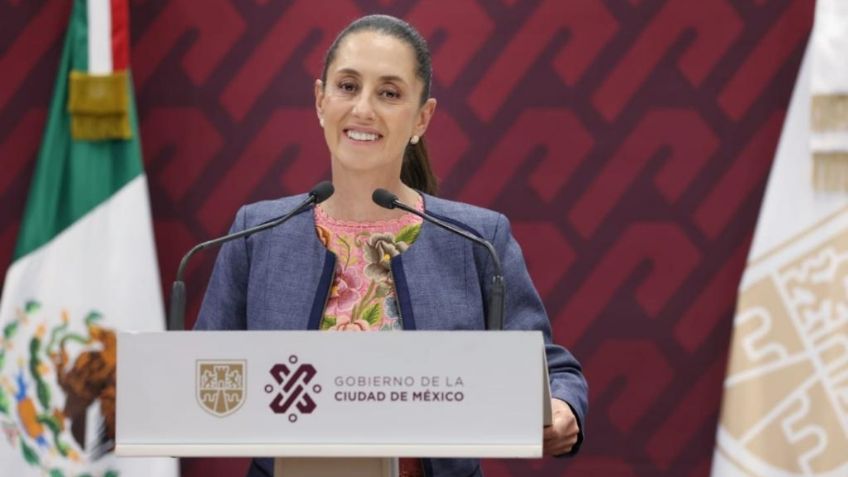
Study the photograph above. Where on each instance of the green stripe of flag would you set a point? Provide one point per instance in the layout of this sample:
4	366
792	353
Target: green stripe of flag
73	177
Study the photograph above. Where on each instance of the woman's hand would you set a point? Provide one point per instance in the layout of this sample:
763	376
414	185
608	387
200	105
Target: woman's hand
561	435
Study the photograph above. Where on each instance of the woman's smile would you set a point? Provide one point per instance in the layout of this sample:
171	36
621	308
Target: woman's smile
362	136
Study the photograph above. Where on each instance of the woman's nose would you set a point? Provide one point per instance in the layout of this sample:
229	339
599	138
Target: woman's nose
363	108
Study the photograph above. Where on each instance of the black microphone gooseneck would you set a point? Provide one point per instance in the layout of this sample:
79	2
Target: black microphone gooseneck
176	314
494	320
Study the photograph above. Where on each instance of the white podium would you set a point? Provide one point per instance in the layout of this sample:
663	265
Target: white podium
321	400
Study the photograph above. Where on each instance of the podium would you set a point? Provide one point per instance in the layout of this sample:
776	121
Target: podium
320	400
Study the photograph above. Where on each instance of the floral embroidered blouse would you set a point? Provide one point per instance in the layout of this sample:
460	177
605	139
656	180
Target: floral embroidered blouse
362	296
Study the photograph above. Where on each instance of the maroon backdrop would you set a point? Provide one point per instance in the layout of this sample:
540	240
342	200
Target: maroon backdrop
628	141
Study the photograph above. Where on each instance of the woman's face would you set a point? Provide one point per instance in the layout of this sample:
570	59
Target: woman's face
370	105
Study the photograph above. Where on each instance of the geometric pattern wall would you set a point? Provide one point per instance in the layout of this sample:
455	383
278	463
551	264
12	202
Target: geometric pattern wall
628	141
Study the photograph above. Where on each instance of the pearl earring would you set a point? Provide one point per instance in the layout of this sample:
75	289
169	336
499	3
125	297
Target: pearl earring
321	122
414	140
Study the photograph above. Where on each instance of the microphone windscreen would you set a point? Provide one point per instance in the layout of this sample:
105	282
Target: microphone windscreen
384	198
322	191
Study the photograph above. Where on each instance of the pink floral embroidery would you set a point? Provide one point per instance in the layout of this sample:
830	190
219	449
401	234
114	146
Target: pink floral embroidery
362	296
345	291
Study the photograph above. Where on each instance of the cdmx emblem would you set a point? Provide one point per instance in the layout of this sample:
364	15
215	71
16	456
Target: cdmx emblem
221	386
291	383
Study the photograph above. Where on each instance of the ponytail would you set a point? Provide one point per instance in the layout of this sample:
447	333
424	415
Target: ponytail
416	171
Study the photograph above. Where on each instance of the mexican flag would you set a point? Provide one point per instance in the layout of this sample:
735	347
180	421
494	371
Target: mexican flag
785	405
84	266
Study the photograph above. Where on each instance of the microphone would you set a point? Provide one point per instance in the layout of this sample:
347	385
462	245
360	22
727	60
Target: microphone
176	315
494	320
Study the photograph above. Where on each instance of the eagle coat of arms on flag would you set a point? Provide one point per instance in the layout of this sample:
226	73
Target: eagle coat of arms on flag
57	388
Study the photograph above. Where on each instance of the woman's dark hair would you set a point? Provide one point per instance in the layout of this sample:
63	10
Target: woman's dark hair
416	171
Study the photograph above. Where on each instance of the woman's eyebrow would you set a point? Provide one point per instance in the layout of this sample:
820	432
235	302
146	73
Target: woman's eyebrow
353	72
394	78
348	71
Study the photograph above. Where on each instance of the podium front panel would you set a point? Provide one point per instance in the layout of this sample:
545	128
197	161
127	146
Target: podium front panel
306	393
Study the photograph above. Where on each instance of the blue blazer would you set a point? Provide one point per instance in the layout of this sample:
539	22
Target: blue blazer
279	279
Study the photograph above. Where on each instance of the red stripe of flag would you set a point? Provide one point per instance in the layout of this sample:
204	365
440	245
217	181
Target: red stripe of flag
120	34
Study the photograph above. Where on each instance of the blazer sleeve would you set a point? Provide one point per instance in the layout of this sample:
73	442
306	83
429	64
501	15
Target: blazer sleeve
225	303
524	310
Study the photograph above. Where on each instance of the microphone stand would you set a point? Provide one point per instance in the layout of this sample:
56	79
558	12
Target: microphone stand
495	315
176	313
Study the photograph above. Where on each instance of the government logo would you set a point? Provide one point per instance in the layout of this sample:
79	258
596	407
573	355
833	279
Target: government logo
220	386
790	351
291	388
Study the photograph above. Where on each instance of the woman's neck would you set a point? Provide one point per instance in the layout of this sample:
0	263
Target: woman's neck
352	198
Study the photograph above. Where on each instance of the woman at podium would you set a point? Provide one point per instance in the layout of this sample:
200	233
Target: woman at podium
348	264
